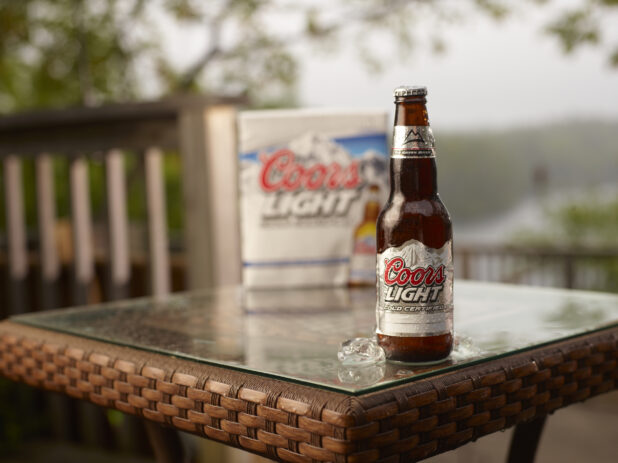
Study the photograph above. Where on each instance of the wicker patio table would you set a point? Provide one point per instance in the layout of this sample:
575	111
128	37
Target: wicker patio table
258	370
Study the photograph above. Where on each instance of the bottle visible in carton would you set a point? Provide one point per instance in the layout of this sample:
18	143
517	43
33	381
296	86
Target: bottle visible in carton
363	259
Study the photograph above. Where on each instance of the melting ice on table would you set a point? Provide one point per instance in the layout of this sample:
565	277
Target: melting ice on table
465	349
360	351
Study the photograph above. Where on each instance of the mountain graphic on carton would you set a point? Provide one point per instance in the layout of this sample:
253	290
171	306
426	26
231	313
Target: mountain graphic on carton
314	148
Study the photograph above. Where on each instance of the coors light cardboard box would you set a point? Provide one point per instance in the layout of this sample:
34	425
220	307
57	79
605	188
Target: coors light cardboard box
311	183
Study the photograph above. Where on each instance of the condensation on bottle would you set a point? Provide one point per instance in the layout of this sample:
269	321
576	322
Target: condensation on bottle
414	243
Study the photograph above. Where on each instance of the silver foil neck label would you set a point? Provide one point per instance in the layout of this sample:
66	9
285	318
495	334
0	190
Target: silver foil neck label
413	141
415	290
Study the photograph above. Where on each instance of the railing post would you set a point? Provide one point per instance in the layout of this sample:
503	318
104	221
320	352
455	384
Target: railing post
118	225
464	256
158	246
208	150
83	252
16	235
46	218
569	272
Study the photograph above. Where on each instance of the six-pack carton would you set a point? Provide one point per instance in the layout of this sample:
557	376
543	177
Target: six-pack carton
311	182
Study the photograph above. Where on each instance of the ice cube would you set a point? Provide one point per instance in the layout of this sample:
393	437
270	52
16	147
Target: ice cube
465	349
363	375
360	351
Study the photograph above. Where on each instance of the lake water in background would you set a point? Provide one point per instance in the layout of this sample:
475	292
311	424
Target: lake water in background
529	215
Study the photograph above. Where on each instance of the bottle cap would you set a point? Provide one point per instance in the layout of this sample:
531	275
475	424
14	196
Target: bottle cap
406	90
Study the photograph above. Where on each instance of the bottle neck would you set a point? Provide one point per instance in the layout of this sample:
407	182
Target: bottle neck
411	111
414	178
372	210
413	172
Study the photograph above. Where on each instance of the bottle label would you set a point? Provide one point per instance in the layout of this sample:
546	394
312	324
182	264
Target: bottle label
413	141
415	290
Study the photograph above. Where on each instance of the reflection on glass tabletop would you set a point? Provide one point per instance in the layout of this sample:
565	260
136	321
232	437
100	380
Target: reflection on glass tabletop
294	335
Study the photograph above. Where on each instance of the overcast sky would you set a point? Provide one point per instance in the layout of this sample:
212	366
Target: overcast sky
492	75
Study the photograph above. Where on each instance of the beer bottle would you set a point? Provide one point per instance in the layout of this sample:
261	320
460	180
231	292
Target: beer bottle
362	262
414	244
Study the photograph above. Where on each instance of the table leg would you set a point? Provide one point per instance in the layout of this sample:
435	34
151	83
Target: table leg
525	441
166	444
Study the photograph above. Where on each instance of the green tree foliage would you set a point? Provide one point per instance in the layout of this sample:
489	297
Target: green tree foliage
583	25
66	52
591	221
69	52
588	223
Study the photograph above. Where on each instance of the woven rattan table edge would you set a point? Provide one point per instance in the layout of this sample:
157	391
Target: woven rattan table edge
292	422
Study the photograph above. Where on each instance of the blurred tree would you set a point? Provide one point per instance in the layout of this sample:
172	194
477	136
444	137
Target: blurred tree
591	221
67	52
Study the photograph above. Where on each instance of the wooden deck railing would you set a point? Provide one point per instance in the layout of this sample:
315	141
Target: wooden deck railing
201	130
580	268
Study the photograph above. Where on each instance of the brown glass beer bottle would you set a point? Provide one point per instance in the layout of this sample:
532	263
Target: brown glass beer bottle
414	244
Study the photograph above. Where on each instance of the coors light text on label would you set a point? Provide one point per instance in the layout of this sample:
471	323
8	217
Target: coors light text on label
415	290
299	190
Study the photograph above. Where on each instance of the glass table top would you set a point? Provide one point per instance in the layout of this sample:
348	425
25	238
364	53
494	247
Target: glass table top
294	335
